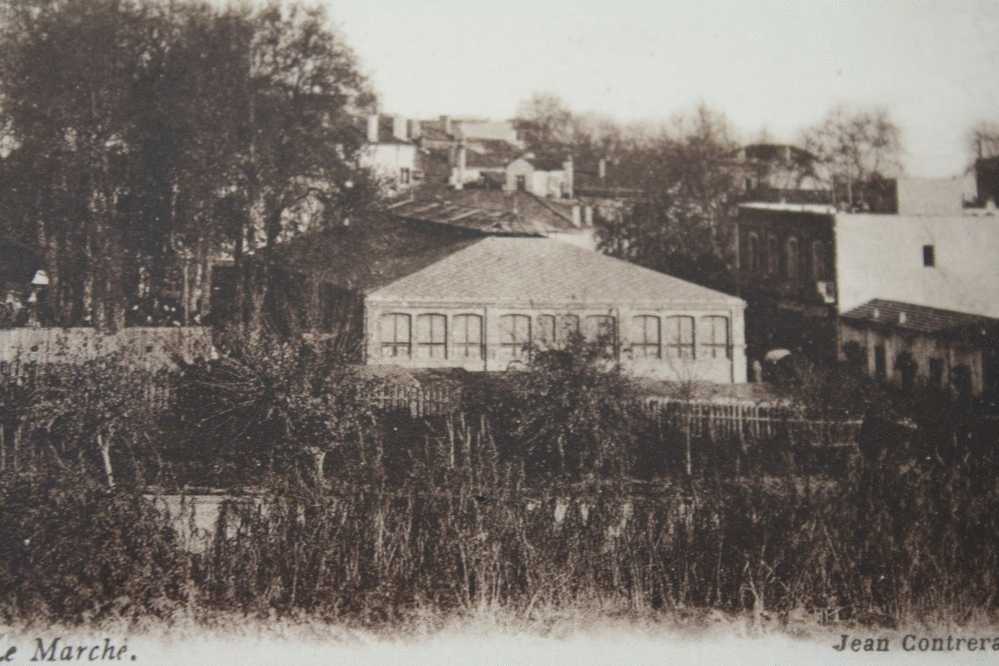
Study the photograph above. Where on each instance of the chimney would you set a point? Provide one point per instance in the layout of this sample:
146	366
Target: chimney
415	131
399	128
901	318
576	219
602	168
588	216
569	177
462	157
373	128
877	313
446	123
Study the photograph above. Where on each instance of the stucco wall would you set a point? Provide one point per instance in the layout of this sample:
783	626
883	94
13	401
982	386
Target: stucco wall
730	369
881	256
921	347
387	160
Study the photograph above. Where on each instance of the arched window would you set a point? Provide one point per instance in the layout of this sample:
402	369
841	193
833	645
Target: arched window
820	261
714	337
546	334
793	257
680	337
431	336
395	334
515	335
568	326
646	339
466	336
601	329
753	252
773	255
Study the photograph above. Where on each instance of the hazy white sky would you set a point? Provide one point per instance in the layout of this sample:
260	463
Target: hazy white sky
777	65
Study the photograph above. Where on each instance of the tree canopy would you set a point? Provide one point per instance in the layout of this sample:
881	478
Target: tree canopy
143	137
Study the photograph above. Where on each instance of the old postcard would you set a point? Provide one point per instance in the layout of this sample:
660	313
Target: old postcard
512	333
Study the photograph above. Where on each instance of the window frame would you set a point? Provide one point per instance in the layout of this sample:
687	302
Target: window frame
710	346
793	259
929	256
773	254
461	348
543	340
394	345
644	345
753	250
610	348
515	349
677	349
431	345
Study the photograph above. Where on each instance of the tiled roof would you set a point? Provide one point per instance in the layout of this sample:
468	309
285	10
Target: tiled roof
915	318
517	270
372	252
491	212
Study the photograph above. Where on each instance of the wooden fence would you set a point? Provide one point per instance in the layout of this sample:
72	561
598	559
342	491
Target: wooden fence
418	401
148	347
751	421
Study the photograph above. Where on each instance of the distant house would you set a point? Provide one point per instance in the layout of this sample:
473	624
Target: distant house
487	305
776	172
390	150
801	267
905	344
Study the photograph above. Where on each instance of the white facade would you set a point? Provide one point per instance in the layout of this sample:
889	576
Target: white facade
396	163
882	256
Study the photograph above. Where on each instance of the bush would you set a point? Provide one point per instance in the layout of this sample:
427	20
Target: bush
71	551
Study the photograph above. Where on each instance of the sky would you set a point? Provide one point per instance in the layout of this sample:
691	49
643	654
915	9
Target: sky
774	66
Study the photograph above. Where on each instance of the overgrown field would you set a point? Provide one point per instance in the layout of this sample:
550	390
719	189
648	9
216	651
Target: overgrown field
552	493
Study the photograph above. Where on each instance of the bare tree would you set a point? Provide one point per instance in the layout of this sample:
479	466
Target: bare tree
546	121
983	140
856	146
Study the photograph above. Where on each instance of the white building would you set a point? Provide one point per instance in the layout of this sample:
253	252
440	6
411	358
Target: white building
486	306
389	150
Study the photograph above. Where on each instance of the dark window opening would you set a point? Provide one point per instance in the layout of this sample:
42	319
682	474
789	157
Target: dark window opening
936	372
880	367
929	256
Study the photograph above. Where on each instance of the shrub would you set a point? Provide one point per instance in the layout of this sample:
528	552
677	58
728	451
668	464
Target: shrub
72	551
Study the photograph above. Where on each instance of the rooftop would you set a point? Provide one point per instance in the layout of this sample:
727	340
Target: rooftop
916	318
491	212
515	270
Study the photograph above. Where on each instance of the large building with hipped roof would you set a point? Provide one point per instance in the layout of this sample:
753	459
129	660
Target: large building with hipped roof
489	304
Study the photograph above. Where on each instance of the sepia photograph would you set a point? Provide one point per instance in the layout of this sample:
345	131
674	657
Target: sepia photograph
567	332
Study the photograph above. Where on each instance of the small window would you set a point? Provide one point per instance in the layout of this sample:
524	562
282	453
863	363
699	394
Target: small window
394	330
515	335
431	336
936	372
404	176
521	183
753	253
820	264
466	337
929	256
714	337
646	341
773	255
793	258
880	364
680	337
